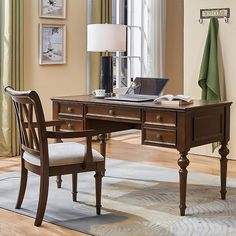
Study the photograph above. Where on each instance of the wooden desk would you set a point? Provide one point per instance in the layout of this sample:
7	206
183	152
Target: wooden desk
179	127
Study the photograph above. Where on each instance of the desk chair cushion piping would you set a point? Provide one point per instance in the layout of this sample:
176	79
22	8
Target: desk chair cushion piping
64	154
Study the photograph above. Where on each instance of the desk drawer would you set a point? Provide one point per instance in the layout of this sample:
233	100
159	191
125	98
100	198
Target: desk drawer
159	136
132	114
72	125
68	109
163	118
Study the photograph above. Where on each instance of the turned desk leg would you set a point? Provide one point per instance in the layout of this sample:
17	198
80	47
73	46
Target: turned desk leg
74	186
58	140
183	162
102	138
223	151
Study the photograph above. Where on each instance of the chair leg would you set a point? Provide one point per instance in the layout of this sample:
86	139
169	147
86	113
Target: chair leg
23	183
98	184
43	196
59	180
74	187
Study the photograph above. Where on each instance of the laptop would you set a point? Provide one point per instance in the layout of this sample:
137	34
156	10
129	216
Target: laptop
142	89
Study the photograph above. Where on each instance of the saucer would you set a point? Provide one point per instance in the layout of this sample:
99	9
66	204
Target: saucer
99	97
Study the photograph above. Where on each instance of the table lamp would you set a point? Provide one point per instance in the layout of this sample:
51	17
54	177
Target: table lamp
106	38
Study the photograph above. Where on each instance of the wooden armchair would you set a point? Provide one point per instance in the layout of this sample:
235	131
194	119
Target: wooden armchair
54	159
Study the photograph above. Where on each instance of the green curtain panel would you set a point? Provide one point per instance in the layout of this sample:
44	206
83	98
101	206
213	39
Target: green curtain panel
209	72
11	72
101	14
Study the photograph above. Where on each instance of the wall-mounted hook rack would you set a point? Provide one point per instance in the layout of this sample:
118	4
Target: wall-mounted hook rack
223	13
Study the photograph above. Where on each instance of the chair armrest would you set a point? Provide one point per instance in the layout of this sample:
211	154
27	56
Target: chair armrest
71	134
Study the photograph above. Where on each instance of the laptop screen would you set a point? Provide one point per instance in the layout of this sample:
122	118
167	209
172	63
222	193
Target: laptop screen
147	86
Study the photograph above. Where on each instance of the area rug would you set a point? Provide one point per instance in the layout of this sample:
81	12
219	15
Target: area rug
137	200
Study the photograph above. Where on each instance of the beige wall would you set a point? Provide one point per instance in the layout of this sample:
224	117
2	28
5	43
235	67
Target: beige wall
194	38
174	45
56	80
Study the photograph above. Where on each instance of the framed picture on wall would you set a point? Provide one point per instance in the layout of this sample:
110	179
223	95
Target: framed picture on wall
52	8
52	44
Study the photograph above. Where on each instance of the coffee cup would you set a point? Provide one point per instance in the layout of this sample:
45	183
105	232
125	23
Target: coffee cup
99	93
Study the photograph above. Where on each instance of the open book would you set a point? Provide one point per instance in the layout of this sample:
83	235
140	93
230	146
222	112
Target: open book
171	99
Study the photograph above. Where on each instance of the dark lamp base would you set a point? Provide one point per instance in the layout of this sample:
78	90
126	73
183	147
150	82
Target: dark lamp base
106	80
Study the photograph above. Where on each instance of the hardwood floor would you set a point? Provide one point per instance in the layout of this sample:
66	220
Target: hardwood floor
125	147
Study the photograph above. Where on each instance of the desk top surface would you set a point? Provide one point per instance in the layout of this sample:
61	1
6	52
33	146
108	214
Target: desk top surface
90	99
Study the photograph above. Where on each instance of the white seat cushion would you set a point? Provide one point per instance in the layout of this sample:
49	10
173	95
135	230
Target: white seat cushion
64	154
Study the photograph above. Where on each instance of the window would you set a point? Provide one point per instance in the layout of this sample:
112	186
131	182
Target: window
129	64
146	27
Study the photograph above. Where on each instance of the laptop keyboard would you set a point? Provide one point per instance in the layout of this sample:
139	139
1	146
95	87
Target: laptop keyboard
132	98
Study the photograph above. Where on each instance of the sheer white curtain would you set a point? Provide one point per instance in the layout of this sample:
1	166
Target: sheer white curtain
154	26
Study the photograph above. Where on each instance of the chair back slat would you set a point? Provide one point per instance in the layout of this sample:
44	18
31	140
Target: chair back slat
31	121
22	131
18	121
32	134
21	127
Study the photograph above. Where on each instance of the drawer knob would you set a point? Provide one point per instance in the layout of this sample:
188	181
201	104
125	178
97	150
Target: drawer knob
69	125
111	112
69	109
158	118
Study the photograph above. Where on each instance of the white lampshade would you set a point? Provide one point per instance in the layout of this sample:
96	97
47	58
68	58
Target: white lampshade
106	37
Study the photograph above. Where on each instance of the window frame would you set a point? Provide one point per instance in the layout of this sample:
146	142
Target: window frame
130	54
